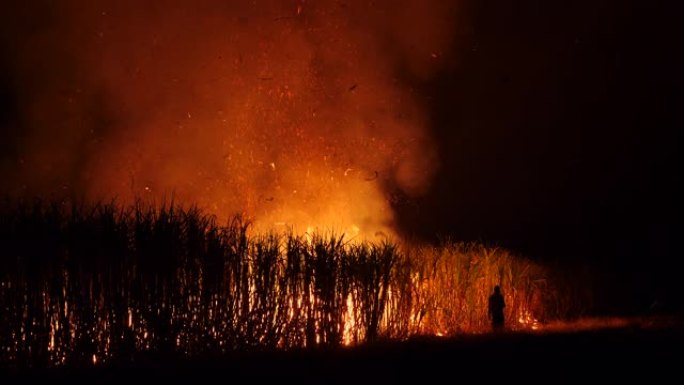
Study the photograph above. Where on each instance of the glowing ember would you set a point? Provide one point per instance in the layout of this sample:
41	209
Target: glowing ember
527	320
349	322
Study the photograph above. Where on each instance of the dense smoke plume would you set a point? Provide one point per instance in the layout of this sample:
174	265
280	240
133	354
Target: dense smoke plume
294	113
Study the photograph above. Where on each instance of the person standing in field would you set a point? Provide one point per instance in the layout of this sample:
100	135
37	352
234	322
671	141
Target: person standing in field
496	307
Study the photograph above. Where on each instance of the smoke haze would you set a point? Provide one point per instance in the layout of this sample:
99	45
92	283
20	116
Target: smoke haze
291	112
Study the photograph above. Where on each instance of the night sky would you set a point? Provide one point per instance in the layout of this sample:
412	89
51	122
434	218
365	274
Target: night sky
558	132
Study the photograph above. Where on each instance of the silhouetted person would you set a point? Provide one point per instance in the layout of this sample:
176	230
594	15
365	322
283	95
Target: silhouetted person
496	307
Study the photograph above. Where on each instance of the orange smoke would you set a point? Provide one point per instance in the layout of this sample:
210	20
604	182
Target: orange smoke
295	113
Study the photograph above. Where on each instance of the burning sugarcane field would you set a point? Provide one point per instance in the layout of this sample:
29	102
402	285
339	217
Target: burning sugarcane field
329	191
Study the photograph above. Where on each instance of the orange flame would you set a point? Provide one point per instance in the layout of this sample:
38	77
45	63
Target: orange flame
294	114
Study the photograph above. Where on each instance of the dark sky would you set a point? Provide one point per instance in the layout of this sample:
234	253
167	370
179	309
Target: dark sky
558	126
559	132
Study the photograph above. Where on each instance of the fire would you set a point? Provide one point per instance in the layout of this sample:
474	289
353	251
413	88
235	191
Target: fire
527	320
349	322
293	113
300	116
285	291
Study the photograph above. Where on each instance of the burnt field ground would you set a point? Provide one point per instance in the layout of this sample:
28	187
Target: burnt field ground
630	351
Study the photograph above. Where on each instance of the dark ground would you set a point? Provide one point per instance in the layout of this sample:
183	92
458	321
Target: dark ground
629	353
